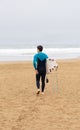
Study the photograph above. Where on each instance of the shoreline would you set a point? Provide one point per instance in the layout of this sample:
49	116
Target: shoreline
30	61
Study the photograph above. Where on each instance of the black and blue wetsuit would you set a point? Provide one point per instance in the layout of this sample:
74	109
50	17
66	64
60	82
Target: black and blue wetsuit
39	63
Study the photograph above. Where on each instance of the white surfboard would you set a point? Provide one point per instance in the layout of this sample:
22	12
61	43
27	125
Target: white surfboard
51	64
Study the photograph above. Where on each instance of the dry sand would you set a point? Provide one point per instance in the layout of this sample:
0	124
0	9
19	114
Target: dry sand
22	109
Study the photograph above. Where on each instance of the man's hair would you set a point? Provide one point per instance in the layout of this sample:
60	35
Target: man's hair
40	48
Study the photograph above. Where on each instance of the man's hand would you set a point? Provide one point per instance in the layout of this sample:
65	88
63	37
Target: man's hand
36	71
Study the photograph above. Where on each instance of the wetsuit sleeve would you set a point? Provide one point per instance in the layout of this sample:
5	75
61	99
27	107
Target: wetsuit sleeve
46	57
35	62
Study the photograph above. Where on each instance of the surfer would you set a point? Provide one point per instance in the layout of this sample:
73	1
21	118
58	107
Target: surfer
39	63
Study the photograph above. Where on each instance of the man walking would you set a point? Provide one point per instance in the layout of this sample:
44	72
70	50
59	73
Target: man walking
39	63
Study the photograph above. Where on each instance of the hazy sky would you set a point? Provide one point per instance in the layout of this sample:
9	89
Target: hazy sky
40	20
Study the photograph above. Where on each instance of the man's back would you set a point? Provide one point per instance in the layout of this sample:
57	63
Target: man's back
41	58
41	66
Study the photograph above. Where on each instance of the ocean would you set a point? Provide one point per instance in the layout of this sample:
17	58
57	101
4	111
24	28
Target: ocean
26	51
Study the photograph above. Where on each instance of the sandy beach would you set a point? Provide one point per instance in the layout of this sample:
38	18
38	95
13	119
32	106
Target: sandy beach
57	109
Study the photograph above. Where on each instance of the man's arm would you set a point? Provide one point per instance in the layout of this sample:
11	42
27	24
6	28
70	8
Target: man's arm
35	62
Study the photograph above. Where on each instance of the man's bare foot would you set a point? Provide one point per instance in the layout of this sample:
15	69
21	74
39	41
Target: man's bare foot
42	93
38	91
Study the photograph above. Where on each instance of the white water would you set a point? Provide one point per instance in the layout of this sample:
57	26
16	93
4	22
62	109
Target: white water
27	54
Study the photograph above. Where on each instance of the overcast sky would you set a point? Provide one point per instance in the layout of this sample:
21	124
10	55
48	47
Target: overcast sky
40	20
